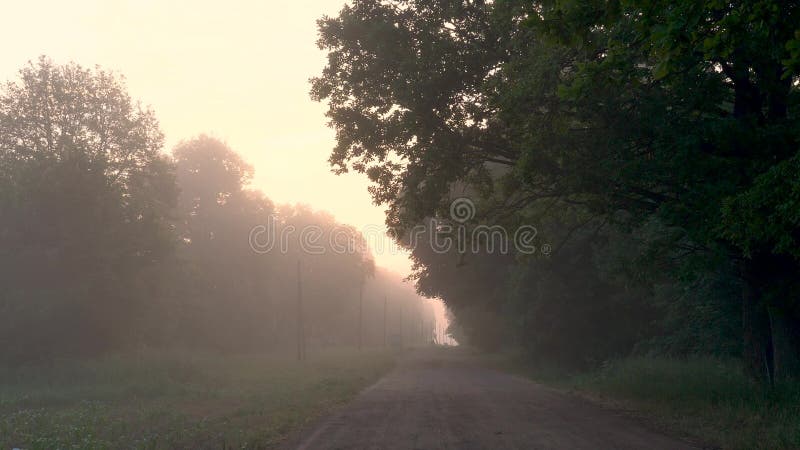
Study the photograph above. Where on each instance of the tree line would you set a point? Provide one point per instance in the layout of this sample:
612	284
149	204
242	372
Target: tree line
107	243
654	145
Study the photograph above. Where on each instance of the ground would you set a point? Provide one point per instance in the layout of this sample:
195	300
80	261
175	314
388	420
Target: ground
177	399
447	399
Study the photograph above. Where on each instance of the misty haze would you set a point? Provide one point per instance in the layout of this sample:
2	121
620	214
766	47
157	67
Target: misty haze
400	224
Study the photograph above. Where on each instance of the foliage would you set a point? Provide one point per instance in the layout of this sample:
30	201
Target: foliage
706	397
85	198
108	244
580	116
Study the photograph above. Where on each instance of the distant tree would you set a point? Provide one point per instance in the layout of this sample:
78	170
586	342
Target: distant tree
338	261
229	282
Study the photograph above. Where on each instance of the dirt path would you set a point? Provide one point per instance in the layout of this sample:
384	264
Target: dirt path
439	399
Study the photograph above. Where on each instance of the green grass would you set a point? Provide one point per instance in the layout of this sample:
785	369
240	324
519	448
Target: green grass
160	400
705	398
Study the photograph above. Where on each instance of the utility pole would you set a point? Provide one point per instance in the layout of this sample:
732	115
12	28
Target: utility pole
421	328
384	320
361	316
402	335
301	332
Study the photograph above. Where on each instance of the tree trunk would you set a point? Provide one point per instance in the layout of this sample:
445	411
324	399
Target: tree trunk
786	343
771	323
757	354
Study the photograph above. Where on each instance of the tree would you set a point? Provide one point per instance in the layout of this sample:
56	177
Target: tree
699	108
229	282
405	84
85	199
621	112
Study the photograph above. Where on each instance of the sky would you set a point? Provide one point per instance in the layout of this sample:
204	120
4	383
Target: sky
237	70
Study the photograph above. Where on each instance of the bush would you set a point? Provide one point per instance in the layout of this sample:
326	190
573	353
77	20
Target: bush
707	397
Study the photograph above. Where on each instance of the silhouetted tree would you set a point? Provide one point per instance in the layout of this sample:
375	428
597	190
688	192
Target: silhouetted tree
85	198
617	114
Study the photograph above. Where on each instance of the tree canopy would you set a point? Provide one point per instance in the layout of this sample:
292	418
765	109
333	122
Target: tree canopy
108	243
599	122
85	202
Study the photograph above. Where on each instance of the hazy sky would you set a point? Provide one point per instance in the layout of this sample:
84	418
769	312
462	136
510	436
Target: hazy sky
237	70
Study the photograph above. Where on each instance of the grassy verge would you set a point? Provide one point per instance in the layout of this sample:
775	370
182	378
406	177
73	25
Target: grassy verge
177	400
709	399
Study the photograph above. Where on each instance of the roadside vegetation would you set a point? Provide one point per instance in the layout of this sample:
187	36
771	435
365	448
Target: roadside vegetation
172	399
653	147
109	242
709	400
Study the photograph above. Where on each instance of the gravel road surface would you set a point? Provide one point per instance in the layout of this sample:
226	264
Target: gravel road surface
445	399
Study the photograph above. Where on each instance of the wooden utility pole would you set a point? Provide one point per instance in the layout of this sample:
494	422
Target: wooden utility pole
401	327
361	316
301	332
384	320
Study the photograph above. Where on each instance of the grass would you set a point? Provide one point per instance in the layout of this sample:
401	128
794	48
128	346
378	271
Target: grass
159	400
705	398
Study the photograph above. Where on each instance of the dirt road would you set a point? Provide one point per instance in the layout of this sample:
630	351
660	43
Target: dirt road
439	399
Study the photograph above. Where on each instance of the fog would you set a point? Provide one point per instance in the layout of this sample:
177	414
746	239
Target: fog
400	224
